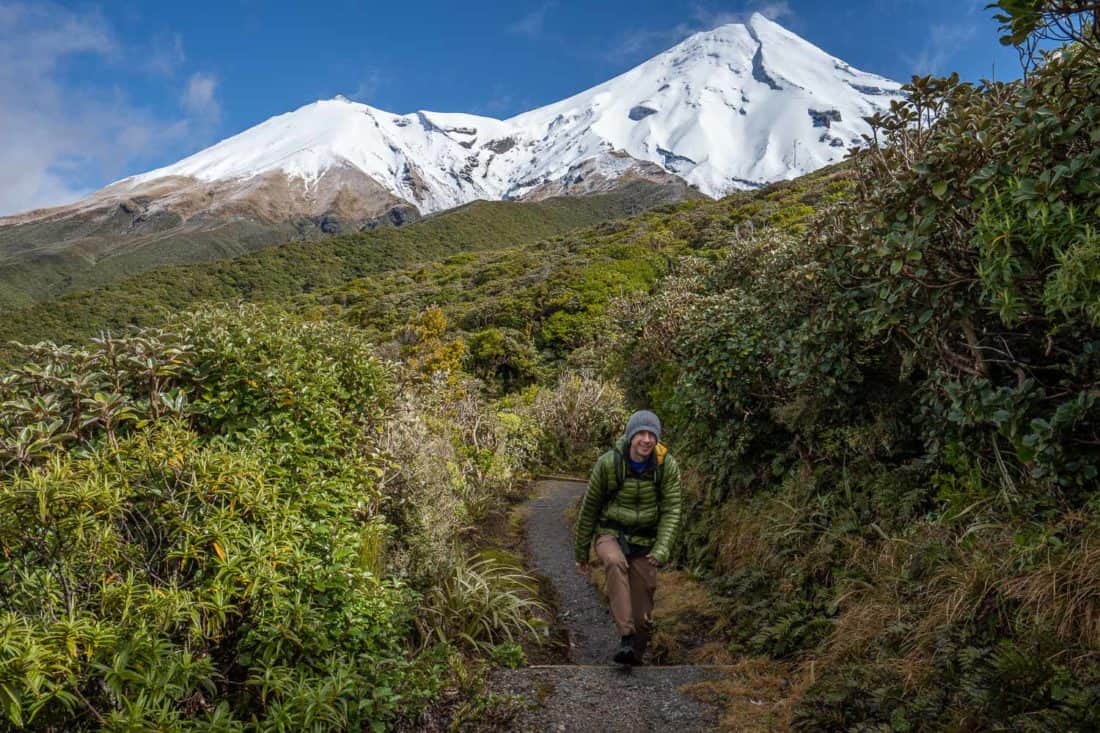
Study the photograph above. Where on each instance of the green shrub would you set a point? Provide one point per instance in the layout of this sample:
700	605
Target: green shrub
504	356
480	604
892	425
578	418
198	552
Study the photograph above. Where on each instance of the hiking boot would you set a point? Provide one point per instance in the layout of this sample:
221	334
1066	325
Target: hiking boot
641	641
627	653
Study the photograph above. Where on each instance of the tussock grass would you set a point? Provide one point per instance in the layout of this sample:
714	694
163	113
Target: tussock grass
686	617
742	540
480	603
756	695
1063	592
962	589
867	609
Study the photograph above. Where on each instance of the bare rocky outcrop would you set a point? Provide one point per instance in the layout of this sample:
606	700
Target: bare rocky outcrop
606	173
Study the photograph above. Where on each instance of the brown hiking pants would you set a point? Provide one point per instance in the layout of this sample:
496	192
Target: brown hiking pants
631	583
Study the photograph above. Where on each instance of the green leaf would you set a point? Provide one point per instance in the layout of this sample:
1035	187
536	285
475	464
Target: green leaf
898	721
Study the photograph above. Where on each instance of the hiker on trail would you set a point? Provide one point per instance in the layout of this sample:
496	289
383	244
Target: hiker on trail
632	508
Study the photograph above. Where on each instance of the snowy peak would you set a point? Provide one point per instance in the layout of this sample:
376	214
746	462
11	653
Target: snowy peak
734	107
743	104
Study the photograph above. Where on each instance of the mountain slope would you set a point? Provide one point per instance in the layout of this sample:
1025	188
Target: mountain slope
280	272
732	108
728	109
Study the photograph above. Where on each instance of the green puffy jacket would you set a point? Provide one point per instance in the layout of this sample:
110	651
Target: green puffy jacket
633	513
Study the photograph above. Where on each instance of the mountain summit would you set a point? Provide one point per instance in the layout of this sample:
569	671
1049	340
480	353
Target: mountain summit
736	107
732	108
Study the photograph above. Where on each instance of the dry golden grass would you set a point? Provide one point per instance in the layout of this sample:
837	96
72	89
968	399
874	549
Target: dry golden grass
686	617
572	511
756	694
863	620
867	607
962	587
515	530
1064	592
742	539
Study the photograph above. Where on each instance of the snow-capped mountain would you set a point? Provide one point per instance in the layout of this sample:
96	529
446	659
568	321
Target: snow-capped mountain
732	108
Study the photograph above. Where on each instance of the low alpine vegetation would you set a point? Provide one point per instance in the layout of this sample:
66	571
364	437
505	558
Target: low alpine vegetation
882	381
896	419
196	533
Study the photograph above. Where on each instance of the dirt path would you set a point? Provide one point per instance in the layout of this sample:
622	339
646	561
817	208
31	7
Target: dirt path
550	552
591	694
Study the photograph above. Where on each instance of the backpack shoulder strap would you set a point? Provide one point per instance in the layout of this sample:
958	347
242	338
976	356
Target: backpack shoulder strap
659	474
620	476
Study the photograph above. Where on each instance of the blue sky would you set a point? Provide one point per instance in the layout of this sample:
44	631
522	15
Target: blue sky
92	92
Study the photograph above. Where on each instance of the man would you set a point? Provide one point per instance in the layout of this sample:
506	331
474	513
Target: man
632	508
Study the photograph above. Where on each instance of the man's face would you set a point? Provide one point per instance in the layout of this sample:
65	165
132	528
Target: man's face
643	443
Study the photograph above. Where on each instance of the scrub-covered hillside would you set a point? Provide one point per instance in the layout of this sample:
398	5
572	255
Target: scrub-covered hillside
882	382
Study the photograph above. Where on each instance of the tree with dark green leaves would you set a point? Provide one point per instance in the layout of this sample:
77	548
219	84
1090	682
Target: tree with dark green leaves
1028	23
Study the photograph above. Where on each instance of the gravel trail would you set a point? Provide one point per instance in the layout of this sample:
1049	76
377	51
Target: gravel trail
591	695
592	634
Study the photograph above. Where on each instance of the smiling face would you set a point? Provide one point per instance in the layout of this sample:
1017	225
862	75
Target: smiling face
642	444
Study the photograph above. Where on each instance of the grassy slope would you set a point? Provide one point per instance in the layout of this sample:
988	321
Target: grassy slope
301	267
50	274
555	291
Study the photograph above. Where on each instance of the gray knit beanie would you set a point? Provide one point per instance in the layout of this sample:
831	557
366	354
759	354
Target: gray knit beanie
642	420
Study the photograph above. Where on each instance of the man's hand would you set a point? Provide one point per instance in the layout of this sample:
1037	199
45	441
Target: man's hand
583	569
654	561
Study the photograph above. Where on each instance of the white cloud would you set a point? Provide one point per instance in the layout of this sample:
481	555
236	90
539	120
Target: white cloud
503	103
500	104
49	33
165	55
707	18
777	10
532	24
943	42
368	87
199	98
59	140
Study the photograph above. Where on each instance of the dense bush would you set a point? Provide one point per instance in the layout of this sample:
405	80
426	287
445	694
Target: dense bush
976	256
895	418
108	295
188	527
